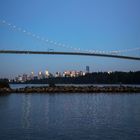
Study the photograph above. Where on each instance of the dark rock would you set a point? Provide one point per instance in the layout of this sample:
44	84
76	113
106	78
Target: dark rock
4	84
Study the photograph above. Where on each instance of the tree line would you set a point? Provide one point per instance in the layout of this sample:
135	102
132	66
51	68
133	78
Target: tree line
94	78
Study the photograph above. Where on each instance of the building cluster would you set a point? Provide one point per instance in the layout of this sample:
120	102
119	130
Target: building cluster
47	74
69	73
32	76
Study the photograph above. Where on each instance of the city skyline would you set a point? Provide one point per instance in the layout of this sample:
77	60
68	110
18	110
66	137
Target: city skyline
89	25
46	73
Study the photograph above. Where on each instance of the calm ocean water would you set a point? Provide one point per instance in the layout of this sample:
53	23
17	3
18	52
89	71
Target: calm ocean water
70	117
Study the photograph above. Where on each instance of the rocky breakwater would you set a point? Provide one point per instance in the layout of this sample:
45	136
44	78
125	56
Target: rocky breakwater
4	88
78	89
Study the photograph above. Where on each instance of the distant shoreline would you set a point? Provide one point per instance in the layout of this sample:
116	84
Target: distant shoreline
89	78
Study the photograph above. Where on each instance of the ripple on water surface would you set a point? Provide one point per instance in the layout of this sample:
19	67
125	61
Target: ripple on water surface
70	116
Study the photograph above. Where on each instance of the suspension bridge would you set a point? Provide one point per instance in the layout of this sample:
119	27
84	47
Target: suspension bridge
68	53
77	51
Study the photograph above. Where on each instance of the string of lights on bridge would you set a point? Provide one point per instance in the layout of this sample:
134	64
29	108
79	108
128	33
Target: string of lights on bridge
62	45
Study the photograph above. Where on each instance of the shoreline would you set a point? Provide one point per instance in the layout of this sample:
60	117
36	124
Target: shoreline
72	89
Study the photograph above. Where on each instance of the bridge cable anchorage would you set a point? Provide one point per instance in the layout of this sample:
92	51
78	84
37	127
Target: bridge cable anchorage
68	53
62	45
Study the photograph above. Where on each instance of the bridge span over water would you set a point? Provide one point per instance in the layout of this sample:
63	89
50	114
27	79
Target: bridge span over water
76	51
68	53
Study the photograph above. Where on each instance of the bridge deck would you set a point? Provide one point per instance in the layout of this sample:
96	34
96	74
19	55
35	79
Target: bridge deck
68	53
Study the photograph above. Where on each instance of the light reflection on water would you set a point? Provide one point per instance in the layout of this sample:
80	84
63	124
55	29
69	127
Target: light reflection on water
70	116
26	110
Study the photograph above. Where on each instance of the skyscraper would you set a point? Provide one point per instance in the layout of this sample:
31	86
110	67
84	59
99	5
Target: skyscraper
87	69
47	74
40	75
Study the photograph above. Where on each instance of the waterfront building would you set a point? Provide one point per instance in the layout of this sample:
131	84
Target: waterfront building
58	74
47	74
18	78
35	77
66	74
32	75
87	69
24	77
73	73
41	75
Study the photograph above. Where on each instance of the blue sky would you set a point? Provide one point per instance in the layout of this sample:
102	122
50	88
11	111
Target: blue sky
86	24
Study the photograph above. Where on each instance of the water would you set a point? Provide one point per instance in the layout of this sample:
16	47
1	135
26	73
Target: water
70	117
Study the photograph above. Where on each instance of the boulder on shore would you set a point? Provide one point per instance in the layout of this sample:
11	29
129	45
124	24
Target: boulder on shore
4	84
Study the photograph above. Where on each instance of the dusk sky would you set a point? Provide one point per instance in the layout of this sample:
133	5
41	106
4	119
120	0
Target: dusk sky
102	25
